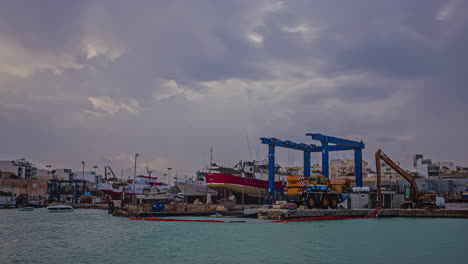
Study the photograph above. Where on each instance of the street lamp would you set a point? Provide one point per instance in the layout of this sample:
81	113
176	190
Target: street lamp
134	174
48	170
82	175
169	169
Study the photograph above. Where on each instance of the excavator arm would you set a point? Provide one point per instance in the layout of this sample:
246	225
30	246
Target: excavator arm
379	155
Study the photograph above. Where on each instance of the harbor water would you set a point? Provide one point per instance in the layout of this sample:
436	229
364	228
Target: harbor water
93	236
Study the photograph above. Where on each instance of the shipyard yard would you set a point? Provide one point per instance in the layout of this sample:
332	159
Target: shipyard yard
92	236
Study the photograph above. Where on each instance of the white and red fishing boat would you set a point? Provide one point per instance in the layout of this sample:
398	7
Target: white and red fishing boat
248	179
117	188
194	187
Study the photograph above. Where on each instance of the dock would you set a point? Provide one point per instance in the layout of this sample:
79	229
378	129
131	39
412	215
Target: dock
284	214
146	210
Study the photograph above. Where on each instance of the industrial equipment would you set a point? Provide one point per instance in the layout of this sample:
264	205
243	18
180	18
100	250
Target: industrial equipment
315	191
338	144
414	198
55	188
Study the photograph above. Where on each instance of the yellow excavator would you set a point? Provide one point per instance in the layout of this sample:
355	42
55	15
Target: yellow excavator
414	198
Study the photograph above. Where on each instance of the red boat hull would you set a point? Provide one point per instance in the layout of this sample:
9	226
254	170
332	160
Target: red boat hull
224	182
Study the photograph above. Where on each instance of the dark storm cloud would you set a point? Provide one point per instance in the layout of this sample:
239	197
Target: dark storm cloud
168	80
43	25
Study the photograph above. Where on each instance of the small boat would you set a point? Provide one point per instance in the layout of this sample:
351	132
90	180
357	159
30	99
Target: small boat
25	208
61	208
7	200
216	215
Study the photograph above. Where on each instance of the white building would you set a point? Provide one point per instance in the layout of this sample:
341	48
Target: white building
59	174
21	168
89	176
418	165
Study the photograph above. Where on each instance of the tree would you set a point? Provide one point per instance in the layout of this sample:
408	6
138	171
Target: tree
13	176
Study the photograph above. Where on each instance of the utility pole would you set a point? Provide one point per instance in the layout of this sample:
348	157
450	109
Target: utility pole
48	171
169	169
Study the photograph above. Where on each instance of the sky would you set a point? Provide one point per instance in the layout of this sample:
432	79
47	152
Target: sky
99	81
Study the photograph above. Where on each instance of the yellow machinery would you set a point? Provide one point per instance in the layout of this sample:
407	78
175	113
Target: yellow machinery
315	191
414	198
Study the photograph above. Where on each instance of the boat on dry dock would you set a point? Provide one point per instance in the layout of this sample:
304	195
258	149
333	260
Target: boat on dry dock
247	180
197	188
115	189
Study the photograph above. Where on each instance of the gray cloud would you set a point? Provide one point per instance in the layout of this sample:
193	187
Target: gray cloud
101	81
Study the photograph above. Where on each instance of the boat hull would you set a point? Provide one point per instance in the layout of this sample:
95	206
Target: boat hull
194	189
253	187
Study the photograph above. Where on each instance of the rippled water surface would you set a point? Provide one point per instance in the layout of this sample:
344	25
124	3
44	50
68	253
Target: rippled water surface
93	236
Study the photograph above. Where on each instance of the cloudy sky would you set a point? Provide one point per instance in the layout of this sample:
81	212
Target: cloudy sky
100	81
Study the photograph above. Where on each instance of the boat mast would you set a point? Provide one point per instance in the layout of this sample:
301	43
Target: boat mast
211	156
149	171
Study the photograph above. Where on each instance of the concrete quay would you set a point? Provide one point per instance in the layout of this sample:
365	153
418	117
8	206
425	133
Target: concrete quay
141	210
90	206
283	214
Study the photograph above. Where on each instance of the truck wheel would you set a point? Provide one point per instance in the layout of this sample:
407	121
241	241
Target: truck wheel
334	203
311	203
325	202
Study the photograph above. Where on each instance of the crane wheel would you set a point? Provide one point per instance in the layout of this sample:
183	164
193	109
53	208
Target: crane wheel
325	202
311	203
334	204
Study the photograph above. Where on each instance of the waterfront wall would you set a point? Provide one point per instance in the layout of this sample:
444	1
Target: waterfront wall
282	214
135	209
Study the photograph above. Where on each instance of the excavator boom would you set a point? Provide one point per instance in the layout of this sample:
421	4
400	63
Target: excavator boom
379	155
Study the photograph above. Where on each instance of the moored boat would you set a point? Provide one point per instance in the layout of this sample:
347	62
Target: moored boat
25	208
59	208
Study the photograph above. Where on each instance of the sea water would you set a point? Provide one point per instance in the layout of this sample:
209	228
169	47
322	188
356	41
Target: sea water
94	236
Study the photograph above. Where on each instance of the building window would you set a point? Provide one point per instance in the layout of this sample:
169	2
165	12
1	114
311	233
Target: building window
25	186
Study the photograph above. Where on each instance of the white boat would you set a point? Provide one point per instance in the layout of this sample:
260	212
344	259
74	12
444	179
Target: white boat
60	208
195	187
116	189
7	200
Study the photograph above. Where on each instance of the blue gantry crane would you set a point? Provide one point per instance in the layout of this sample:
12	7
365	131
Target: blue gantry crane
272	144
55	188
338	144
